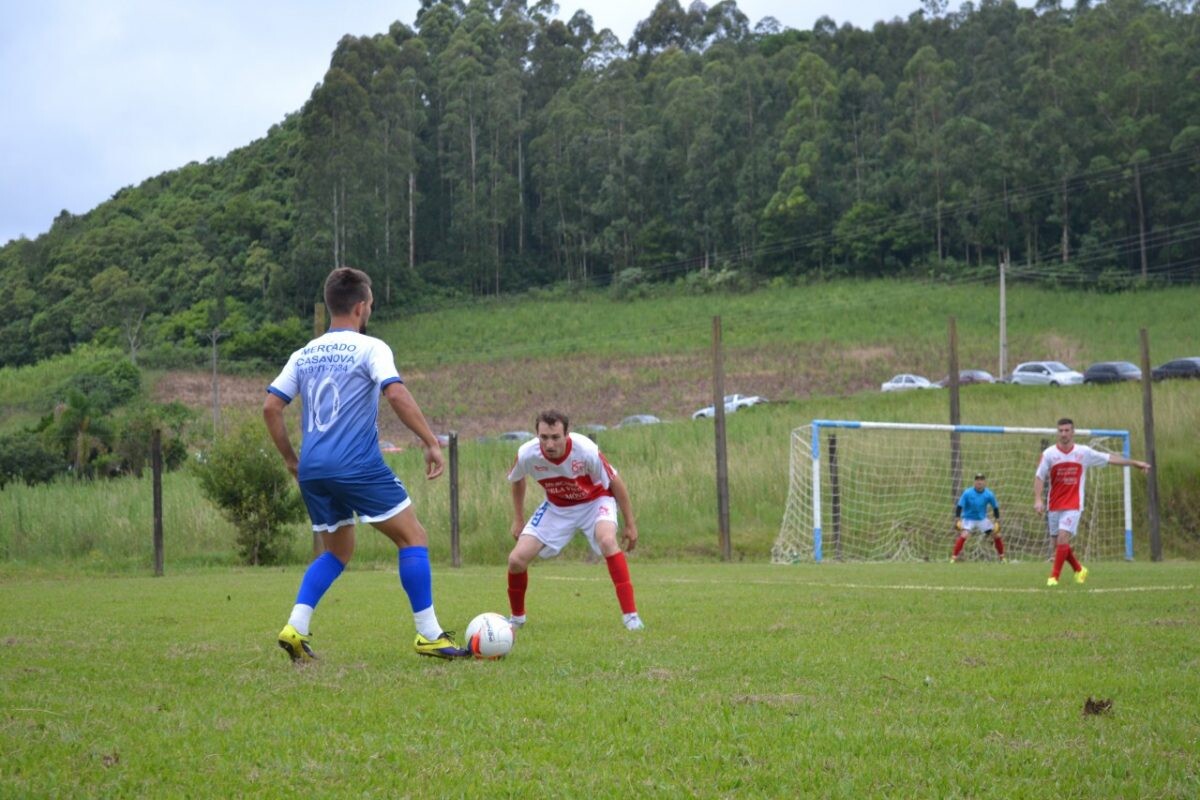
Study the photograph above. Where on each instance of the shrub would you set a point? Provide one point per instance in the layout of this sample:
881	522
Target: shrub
24	457
245	478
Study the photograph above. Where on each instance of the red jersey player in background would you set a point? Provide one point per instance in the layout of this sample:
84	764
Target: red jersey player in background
1065	464
582	494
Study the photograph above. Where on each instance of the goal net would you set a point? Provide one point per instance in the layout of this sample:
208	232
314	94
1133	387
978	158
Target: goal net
882	491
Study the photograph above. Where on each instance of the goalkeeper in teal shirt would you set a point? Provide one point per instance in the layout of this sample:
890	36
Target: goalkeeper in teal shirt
970	514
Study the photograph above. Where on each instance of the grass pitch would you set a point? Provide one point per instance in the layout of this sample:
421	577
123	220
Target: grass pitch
834	680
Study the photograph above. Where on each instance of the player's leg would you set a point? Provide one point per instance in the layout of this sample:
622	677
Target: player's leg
547	532
335	522
524	551
416	577
963	534
604	539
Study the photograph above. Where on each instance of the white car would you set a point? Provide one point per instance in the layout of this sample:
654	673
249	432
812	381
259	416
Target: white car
904	381
1045	373
732	403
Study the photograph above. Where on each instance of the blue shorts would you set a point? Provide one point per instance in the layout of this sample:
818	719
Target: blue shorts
333	502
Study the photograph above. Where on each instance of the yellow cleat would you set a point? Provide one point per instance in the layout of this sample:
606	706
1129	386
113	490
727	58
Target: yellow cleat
1081	576
442	647
1052	581
295	645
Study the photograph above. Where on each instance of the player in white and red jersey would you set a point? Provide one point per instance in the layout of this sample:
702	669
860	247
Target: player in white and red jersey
1065	464
583	493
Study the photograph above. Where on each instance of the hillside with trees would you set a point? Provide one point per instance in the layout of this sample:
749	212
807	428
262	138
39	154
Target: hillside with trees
489	148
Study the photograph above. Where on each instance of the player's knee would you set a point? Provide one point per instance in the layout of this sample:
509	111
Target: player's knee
516	563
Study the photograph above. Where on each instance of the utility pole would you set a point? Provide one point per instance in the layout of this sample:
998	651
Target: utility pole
1003	318
214	336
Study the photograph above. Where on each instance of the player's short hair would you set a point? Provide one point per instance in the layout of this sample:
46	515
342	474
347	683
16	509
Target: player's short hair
550	416
346	287
1067	421
979	476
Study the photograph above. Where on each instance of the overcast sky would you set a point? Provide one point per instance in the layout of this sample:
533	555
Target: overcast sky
96	96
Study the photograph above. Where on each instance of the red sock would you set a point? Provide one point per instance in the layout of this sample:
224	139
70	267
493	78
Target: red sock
1074	562
996	540
618	570
1060	555
958	545
517	583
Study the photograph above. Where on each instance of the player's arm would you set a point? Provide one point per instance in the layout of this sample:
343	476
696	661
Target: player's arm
406	408
273	408
1039	491
958	509
1122	461
629	532
518	500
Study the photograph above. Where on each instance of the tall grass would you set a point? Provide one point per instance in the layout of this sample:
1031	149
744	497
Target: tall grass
669	468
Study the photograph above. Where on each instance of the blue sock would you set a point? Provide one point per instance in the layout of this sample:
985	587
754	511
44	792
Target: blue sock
416	577
319	576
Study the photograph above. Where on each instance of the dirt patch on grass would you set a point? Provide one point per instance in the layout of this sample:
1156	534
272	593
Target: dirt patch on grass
484	399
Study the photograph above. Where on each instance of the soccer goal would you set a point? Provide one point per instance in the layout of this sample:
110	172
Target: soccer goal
883	491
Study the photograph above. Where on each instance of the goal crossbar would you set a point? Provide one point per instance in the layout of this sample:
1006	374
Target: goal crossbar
815	429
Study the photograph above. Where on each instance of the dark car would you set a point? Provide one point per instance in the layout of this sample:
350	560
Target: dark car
1179	368
968	376
1112	372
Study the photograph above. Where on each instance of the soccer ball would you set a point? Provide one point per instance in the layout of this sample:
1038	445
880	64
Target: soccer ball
490	636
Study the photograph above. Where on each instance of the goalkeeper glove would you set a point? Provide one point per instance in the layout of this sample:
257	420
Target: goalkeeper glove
958	524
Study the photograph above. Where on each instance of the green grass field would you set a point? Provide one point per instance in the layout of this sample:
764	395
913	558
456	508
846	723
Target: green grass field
913	680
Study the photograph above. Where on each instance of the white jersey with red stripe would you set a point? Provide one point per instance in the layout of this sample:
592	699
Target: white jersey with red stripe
1067	471
580	476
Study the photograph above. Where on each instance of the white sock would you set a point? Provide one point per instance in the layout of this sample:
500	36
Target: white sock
427	623
301	618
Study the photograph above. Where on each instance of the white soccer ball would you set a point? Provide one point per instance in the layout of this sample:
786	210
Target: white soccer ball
490	636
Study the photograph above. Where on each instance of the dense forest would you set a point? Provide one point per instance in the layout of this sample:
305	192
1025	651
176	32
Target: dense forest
491	148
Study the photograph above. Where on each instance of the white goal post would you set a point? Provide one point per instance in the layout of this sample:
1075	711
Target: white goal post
877	491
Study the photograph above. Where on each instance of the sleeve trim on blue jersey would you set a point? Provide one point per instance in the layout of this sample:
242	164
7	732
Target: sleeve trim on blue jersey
279	394
389	382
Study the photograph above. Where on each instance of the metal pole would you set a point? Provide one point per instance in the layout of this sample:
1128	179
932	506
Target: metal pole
955	415
455	555
1151	456
719	428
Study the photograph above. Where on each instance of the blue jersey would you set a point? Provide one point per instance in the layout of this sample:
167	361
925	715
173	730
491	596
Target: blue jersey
974	503
338	377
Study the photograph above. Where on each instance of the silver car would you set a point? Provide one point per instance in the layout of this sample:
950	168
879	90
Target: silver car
1045	373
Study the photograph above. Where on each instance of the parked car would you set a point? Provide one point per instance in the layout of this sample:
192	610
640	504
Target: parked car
590	428
639	419
968	376
515	436
732	403
1112	372
389	447
1045	373
1179	368
905	381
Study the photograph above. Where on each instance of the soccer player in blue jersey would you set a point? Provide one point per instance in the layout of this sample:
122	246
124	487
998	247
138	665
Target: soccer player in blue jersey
339	377
970	514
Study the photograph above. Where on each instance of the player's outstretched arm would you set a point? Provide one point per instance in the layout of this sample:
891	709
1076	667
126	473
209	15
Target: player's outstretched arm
1122	461
273	408
406	408
629	531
